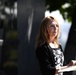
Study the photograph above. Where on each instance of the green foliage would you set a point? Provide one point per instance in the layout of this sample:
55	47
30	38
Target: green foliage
67	12
11	57
53	4
10	64
12	34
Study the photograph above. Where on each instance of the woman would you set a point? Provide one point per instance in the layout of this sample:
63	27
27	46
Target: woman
48	50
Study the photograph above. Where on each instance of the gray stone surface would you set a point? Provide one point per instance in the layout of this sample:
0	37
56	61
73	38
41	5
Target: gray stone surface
30	14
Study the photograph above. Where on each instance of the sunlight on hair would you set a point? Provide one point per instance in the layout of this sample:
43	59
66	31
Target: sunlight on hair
64	26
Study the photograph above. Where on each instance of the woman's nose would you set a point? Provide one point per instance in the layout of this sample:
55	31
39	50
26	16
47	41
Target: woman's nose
55	26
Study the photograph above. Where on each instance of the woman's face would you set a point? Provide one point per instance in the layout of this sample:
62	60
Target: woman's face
53	29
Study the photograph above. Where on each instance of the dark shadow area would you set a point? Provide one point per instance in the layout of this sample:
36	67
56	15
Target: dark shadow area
9	35
70	49
30	14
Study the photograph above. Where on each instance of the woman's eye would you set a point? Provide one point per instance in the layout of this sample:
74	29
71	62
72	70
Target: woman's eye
52	26
56	25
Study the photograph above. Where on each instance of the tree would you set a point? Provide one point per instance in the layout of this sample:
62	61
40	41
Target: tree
66	7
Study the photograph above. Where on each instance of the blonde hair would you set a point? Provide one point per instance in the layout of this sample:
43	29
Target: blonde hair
43	36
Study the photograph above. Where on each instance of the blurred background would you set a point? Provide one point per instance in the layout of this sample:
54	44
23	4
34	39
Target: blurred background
8	37
19	24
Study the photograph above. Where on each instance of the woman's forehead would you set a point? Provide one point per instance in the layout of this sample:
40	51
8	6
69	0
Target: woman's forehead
52	23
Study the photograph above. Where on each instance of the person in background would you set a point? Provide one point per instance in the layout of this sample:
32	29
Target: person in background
48	49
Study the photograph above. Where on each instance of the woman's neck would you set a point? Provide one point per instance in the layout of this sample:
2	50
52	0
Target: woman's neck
53	45
51	40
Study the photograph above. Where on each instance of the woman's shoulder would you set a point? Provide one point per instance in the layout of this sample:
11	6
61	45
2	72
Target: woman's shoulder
41	50
41	47
60	46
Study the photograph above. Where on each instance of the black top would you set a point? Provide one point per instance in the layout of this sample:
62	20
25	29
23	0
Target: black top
45	56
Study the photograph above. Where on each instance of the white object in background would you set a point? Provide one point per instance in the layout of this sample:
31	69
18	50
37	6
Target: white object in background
1	42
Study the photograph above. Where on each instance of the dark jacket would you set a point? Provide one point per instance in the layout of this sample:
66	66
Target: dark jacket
46	60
